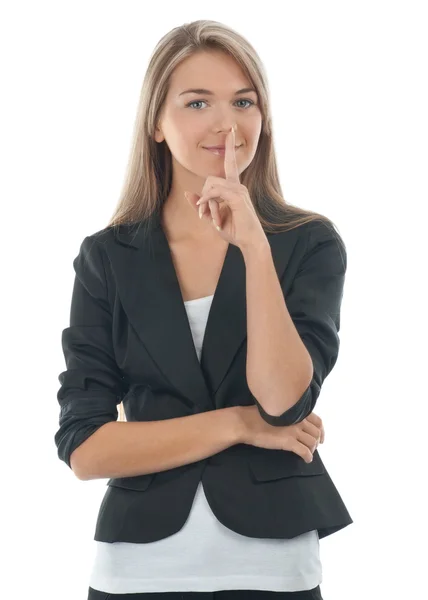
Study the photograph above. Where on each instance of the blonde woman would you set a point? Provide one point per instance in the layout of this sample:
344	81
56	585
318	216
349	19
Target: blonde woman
208	309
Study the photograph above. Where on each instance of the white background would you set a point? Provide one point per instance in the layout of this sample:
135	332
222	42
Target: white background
349	95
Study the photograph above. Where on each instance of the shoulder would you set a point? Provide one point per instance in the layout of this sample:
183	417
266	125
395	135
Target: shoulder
97	241
325	241
318	236
309	232
91	256
102	236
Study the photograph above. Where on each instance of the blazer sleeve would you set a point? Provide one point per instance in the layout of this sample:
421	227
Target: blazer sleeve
91	385
314	302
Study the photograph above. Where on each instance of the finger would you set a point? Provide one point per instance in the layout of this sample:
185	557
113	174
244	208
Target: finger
315	419
220	194
211	195
230	166
302	450
309	440
215	213
310	428
203	210
210	182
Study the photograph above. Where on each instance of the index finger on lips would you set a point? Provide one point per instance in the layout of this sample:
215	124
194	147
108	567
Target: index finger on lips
230	165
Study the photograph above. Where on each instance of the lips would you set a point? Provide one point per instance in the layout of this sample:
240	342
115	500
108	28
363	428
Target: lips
219	147
220	151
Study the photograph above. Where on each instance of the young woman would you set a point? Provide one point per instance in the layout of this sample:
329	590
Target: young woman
209	310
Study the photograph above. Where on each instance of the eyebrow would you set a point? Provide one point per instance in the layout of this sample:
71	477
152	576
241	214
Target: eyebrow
209	93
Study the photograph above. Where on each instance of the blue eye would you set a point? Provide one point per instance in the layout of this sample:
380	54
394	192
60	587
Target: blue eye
240	100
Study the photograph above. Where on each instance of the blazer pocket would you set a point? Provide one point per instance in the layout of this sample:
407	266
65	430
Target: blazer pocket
138	483
268	465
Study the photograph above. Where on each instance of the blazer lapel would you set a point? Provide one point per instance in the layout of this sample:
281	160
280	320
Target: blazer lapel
150	293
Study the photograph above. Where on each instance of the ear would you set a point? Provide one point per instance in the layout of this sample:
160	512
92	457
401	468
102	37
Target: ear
158	135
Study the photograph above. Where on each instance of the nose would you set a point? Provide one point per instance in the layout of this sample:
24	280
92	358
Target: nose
225	130
225	120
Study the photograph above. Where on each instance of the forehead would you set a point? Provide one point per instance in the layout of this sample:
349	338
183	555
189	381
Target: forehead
214	71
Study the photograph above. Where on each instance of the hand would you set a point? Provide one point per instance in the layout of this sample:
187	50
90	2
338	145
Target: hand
228	204
301	438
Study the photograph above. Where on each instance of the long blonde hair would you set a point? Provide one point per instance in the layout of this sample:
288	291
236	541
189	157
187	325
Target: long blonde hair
148	175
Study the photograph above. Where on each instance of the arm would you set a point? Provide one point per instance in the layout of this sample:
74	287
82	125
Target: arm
279	368
90	440
292	341
125	449
92	385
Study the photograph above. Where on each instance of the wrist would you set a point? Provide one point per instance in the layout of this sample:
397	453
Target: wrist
239	428
257	250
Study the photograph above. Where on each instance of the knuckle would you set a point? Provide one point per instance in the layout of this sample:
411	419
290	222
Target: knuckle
209	183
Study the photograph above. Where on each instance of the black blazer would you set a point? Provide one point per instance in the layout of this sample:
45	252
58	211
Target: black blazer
129	339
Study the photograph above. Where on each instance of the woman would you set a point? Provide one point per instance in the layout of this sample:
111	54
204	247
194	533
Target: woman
196	507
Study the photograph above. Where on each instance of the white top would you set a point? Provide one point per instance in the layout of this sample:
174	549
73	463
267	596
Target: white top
206	556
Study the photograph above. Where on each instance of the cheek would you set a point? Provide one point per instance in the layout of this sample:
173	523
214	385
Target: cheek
255	127
187	133
254	136
185	145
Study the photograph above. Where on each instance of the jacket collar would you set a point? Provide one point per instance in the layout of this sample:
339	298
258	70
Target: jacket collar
151	297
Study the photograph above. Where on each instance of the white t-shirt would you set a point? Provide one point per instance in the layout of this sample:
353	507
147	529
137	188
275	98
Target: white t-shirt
206	556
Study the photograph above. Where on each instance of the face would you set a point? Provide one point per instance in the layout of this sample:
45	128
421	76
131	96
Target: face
192	121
